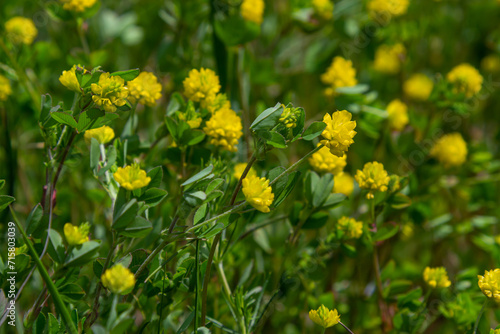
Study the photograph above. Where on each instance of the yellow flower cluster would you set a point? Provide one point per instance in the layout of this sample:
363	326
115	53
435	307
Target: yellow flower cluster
103	135
110	92
224	128
252	10
76	235
118	279
216	102
341	73
324	161
352	229
5	89
201	85
418	87
258	192
465	79
391	7
373	178
323	8
324	317
388	58
240	168
436	277
490	284
131	177
21	30
144	89
289	117
77	5
339	132
69	79
450	150
397	115
343	183
192	119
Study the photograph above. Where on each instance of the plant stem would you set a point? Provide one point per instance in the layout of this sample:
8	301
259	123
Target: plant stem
197	288
295	165
346	328
478	319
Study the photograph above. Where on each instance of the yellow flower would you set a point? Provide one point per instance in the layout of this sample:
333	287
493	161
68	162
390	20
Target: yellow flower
418	87
5	89
240	168
76	235
289	117
343	183
224	128
494	331
252	10
324	161
144	89
491	63
392	7
103	135
352	229
201	85
77	5
324	8
216	102
436	277
373	178
490	284
21	30
388	58
466	79
450	150
324	317
193	120
131	177
398	115
118	279
258	192
339	74
69	79
110	92
339	132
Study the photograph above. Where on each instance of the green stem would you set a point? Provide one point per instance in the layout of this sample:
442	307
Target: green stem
346	328
476	324
197	289
295	165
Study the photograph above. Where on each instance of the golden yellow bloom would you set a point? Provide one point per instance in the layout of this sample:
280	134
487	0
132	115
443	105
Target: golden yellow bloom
494	331
466	79
352	229
224	128
252	10
77	5
418	87
343	183
341	73
324	161
216	102
289	117
490	284
118	279
436	277
388	58
324	317
21	30
491	63
450	150
5	89
324	8
240	168
392	7
339	132
373	178
144	89
193	120
76	235
103	135
398	115
131	177
110	92
258	192
69	79
201	85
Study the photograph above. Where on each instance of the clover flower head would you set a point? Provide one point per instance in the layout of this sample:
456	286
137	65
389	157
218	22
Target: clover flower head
103	135
373	178
324	8
5	88
289	117
240	168
131	177
490	284
388	58
339	132
388	7
21	30
224	129
69	80
110	92
397	115
436	277
418	87
77	5
252	10
145	89
201	85
258	192
343	183
76	235
465	79
324	317
352	229
450	150
118	279
324	161
341	73
216	102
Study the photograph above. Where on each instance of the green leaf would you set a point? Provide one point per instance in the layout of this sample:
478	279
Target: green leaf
322	190
72	292
333	200
54	326
214	185
176	103
64	118
127	75
56	248
125	215
192	137
95	153
276	140
292	179
316	220
153	196
385	233
110	160
5	200
83	122
200	213
400	201
39	325
314	130
45	108
195	198
2	184
156	175
204	173
234	30
139	228
82	254
186	323
268	118
358	89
